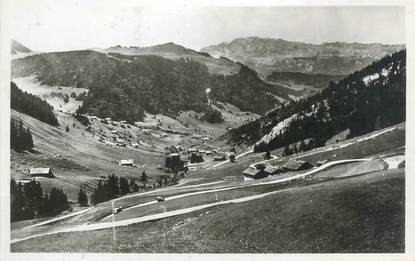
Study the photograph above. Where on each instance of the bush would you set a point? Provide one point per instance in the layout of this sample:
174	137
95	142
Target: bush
81	118
212	116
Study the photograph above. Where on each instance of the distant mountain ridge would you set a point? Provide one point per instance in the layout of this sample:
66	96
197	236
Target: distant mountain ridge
17	47
267	55
174	52
124	86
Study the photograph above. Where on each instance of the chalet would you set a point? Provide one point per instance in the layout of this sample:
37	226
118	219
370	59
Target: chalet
41	172
147	125
297	165
255	173
109	143
260	171
123	122
190	150
208	152
195	157
23	181
321	162
219	157
107	119
128	162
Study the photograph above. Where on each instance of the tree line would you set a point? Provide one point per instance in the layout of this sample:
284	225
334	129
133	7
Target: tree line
27	201
31	105
114	186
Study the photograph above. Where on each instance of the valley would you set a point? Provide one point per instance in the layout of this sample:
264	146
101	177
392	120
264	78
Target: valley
216	156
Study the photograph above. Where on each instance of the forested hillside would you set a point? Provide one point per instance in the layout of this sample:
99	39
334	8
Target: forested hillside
365	101
123	87
31	105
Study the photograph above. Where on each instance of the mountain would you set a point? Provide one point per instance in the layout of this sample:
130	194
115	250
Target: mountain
174	52
124	86
267	55
363	102
18	50
17	47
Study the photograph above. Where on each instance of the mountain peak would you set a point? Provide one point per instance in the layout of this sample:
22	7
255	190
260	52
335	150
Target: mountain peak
17	47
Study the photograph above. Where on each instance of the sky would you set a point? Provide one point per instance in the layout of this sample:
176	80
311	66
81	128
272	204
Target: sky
43	25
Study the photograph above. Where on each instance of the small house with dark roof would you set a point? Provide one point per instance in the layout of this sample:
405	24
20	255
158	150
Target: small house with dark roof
41	172
259	172
219	157
297	165
321	162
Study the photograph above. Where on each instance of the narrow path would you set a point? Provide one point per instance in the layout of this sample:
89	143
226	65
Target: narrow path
58	218
168	189
99	226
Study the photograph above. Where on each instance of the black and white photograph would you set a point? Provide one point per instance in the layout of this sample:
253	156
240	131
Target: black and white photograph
184	128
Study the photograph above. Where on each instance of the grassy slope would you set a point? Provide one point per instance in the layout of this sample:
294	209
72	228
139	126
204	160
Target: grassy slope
360	214
82	158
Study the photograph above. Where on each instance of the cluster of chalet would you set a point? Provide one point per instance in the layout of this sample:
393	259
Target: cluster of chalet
264	170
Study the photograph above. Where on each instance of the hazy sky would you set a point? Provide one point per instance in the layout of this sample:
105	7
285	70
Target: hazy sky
46	26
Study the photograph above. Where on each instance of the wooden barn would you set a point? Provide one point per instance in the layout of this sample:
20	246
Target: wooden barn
127	162
41	172
259	172
219	157
297	165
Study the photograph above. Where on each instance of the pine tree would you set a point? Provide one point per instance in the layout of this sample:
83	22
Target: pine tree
124	187
144	178
82	198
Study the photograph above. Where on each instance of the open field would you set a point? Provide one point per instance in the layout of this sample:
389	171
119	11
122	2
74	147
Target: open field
324	217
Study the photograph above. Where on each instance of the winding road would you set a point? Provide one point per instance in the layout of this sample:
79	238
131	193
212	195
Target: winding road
97	226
